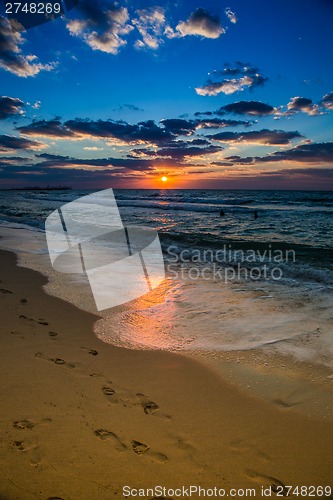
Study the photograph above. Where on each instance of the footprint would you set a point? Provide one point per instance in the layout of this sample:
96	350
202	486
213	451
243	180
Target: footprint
106	435
139	448
32	449
159	457
57	361
110	394
28	424
40	321
149	407
5	292
52	334
18	333
23	424
23	301
93	352
267	481
22	316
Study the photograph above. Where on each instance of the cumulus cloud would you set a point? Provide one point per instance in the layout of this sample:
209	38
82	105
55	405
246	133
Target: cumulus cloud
201	23
230	86
303	104
11	56
249	78
327	101
102	26
8	143
263	137
150	24
231	15
10	106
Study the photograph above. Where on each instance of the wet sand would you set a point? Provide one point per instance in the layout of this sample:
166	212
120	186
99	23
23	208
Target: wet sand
80	419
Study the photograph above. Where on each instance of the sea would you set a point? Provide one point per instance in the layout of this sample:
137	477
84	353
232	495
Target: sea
244	269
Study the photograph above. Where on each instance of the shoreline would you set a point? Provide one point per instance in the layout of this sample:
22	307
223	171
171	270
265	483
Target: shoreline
81	418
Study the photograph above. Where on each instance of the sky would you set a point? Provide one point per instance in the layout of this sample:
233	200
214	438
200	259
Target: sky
234	94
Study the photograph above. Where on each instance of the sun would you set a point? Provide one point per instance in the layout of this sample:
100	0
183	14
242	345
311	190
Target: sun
164	179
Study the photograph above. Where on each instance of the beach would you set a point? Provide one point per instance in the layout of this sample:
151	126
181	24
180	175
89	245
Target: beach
81	418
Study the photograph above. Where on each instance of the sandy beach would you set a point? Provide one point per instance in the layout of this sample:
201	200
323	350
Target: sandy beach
81	419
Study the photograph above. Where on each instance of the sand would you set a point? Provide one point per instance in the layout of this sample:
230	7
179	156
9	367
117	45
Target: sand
80	419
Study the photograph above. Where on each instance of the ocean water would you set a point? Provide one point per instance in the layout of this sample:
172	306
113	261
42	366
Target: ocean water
232	282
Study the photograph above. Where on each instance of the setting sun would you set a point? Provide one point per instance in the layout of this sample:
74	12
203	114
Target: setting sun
164	179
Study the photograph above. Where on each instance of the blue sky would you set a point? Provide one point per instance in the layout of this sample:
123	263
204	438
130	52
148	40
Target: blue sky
245	89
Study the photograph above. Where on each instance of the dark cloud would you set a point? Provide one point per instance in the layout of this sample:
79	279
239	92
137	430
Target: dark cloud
201	23
13	160
11	57
10	106
303	153
327	101
179	126
46	128
303	104
8	142
145	131
252	108
264	137
51	161
179	150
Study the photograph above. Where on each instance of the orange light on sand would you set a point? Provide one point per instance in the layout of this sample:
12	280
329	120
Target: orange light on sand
164	179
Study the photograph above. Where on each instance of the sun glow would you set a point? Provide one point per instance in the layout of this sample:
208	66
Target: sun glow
164	179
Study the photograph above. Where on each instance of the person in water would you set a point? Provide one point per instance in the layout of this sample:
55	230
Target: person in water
256	214
222	214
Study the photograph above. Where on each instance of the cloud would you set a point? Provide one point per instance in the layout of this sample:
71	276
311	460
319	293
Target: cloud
230	15
10	106
92	148
327	101
11	57
178	126
251	108
150	24
179	150
8	143
102	26
13	160
230	86
263	137
47	128
59	161
303	153
303	104
220	123
249	77
145	131
131	107
201	23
